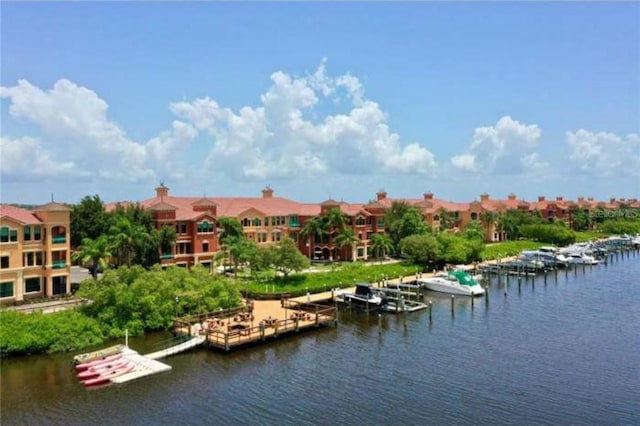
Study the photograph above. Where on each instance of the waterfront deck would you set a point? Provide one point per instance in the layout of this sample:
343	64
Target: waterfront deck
257	322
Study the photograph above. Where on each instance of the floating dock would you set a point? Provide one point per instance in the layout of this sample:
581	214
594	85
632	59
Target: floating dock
144	366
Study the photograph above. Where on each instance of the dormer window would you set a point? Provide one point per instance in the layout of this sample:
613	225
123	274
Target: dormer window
205	227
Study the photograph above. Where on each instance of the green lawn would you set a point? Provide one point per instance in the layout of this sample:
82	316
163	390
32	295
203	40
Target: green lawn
344	275
509	248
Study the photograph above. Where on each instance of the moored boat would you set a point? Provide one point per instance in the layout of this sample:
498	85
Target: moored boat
363	295
97	355
453	282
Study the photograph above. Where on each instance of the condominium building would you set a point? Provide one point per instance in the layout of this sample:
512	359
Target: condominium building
34	252
268	219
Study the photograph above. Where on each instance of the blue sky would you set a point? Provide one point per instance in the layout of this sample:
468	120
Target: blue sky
319	99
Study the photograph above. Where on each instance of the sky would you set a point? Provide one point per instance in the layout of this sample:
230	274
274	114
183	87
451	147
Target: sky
319	100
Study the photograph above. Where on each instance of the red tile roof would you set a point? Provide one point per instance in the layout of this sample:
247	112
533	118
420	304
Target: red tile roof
24	216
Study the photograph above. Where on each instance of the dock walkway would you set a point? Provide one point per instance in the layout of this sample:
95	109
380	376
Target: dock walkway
191	343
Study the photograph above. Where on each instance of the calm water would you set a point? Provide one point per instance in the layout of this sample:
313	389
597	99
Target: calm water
567	352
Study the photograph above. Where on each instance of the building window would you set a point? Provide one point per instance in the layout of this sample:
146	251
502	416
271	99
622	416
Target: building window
32	285
276	236
474	216
262	237
6	289
360	221
380	222
59	285
32	258
246	222
257	221
205	247
181	228
205	227
37	233
436	217
294	236
361	252
27	233
294	221
59	235
4	262
8	235
183	248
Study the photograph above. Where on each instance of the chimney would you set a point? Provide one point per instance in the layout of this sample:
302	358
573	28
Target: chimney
559	198
540	197
580	199
511	196
590	198
381	195
267	192
612	200
484	196
428	195
162	191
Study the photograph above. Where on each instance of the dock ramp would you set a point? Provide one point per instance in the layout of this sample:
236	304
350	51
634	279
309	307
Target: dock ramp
191	343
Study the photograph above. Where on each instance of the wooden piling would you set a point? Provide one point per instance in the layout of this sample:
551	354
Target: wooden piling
430	311
453	298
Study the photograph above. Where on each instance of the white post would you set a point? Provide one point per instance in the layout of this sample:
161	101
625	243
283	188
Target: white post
126	337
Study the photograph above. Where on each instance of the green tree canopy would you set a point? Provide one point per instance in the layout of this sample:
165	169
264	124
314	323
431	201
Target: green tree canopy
88	220
96	252
287	258
421	249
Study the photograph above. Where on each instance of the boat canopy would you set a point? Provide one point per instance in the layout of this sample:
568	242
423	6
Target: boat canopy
463	278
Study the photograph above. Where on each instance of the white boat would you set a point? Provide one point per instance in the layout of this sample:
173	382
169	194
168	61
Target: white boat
363	295
453	282
582	259
547	255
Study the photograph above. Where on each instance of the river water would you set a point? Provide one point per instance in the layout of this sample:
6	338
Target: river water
564	352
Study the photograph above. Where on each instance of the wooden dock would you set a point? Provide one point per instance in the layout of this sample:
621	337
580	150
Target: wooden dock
251	324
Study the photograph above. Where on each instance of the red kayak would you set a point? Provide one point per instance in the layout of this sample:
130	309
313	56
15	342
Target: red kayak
108	375
87	365
102	368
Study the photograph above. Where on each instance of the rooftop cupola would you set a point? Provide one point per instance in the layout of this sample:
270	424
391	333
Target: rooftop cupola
267	192
162	191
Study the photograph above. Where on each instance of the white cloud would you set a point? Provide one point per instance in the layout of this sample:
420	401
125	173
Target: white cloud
74	120
277	139
26	158
605	154
509	147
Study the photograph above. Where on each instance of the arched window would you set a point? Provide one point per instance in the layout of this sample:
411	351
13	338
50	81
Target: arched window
246	222
436	217
205	227
474	216
257	221
360	221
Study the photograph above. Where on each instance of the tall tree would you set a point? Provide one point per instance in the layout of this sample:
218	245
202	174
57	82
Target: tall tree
421	249
96	251
380	244
346	239
229	227
313	229
88	220
126	236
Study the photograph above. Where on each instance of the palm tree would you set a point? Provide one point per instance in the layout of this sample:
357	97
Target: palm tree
166	237
126	237
229	227
381	244
488	219
336	220
347	239
95	251
315	228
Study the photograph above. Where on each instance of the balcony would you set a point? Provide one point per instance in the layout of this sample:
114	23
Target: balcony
59	239
59	264
166	256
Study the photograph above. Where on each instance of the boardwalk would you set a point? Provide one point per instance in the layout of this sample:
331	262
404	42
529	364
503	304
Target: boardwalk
257	322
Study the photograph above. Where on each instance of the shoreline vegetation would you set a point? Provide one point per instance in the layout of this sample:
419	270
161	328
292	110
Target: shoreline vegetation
138	300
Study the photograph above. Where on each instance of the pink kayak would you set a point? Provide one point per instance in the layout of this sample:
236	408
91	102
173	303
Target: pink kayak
102	368
108	375
86	365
